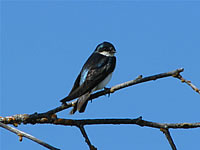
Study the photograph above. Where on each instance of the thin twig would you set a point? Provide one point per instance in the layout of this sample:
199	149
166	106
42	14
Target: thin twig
138	80
87	140
169	138
188	83
28	136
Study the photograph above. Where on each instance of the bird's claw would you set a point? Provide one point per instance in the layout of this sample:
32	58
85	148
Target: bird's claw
106	89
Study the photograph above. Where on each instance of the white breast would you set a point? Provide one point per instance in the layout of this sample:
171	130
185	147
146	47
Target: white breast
103	83
105	53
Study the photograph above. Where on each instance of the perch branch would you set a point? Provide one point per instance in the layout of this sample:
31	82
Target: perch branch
32	118
138	80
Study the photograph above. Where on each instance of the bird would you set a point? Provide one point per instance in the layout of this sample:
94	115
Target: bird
94	75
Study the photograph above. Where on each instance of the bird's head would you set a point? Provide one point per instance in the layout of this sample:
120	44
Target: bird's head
106	49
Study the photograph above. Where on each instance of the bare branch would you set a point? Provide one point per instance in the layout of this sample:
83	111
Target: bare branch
50	116
138	80
87	140
17	119
169	138
81	123
28	136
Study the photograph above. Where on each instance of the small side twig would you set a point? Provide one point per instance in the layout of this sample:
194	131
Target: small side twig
87	140
178	76
28	136
169	138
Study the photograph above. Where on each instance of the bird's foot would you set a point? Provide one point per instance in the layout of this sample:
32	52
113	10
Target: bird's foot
107	89
64	103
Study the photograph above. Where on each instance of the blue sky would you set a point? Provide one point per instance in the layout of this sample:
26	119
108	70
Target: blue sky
44	45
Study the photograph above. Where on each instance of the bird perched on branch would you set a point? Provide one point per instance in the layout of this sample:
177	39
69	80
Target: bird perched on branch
94	75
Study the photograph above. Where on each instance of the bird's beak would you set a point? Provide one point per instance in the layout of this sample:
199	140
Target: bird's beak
113	51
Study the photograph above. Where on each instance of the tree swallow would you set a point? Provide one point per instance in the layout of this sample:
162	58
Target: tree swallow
94	75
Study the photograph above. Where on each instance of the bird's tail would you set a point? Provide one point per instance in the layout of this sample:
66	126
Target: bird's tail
81	104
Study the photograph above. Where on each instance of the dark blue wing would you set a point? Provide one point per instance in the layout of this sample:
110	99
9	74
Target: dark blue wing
99	67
